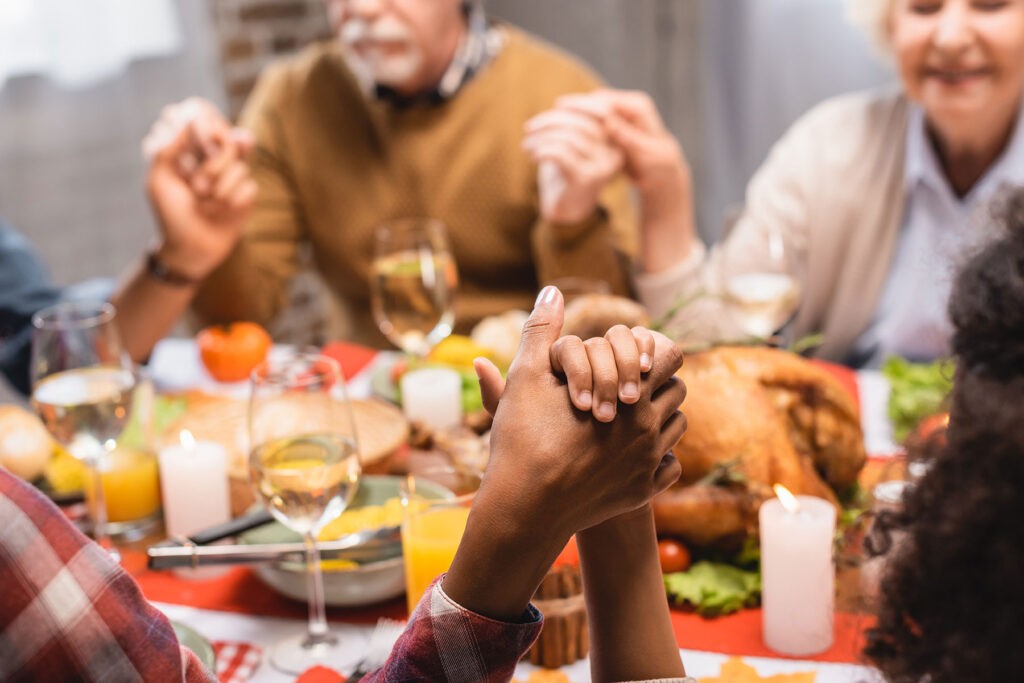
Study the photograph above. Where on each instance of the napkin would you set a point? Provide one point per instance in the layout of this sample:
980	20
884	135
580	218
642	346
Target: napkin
236	662
352	357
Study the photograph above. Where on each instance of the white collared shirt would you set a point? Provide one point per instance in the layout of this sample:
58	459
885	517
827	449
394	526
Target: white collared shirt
939	232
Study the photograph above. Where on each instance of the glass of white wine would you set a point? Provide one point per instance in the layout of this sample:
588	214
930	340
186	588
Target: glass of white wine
304	465
413	284
83	384
760	284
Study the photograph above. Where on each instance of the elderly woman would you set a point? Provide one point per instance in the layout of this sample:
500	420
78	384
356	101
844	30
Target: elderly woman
877	195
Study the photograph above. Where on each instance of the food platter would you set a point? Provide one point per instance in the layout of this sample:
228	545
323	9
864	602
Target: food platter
381	578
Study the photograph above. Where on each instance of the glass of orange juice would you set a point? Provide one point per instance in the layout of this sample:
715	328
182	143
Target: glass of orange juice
435	508
131	489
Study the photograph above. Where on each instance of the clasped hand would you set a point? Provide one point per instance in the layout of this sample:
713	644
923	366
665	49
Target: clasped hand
199	185
550	458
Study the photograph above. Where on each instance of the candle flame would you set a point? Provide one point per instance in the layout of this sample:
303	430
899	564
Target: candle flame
945	420
187	440
788	500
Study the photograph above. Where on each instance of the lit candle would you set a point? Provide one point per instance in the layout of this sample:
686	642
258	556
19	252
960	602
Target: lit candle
797	577
194	483
433	396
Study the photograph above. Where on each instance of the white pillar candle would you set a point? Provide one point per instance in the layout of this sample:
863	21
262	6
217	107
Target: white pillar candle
194	484
433	396
797	576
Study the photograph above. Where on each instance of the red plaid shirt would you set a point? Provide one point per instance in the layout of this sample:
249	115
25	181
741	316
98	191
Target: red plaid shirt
67	611
446	642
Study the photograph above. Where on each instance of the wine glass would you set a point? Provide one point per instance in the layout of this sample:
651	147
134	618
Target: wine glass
760	283
305	468
83	385
414	283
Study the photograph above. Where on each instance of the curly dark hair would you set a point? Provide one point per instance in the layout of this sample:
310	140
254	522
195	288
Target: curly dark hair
952	594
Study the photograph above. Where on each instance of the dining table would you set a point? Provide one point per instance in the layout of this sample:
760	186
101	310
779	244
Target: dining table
242	617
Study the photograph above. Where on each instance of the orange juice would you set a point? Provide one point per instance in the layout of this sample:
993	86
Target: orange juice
131	485
429	542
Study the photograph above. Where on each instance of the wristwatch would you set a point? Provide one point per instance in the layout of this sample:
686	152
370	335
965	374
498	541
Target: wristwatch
161	272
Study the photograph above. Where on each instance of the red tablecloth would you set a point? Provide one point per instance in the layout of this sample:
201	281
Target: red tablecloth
240	591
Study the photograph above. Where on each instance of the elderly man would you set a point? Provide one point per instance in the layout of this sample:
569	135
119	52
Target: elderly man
416	110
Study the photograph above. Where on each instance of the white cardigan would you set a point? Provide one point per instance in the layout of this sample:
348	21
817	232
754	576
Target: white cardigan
833	185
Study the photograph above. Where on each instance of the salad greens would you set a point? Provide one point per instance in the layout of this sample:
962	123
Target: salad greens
165	410
714	588
918	391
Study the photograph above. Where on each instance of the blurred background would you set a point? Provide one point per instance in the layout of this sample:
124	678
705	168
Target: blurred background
81	82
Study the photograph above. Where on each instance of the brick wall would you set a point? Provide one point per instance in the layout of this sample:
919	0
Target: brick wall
254	32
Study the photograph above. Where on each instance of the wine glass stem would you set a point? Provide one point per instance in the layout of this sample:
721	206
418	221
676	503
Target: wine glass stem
315	592
99	508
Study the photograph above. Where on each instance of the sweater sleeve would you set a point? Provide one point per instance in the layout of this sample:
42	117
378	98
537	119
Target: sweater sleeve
599	247
775	208
69	611
252	284
25	288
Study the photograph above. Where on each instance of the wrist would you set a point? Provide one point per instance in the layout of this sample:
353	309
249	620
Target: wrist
179	262
634	525
157	270
667	193
502	558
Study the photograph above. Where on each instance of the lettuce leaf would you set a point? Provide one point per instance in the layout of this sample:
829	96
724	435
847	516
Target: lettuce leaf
713	588
918	390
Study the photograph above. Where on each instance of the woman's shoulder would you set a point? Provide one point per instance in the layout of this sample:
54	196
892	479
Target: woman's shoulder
856	117
851	135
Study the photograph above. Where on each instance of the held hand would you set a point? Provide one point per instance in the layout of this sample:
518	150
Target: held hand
198	185
599	371
563	467
653	158
575	162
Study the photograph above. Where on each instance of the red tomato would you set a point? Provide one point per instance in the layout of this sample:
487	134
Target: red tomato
230	352
673	555
400	367
934	427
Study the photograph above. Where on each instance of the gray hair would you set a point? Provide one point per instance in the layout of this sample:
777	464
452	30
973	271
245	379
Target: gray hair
873	17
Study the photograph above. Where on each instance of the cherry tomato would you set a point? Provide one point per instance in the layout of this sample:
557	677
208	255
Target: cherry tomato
230	352
400	367
934	427
673	555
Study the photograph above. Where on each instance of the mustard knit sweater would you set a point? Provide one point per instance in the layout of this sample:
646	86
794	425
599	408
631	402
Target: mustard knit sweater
332	165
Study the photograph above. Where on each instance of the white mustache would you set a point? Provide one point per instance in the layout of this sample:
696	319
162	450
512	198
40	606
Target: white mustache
384	30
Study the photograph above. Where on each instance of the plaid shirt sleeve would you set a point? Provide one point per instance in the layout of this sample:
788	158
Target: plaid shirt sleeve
69	612
446	642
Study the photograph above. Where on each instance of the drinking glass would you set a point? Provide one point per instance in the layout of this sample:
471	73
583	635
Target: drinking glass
305	468
82	389
413	284
760	283
435	508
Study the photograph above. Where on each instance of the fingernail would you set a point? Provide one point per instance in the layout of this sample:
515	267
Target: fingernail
606	411
645	361
587	399
546	296
477	362
630	390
